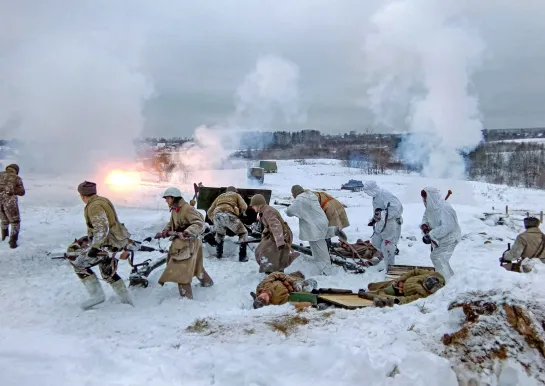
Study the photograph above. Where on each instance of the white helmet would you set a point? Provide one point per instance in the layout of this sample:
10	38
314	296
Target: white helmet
172	192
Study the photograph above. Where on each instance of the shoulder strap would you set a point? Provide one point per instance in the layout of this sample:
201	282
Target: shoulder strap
540	248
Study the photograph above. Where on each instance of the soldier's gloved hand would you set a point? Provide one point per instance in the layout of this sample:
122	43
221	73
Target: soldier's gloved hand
158	235
426	239
93	252
372	222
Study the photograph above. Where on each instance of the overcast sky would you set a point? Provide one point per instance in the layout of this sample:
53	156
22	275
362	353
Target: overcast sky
195	55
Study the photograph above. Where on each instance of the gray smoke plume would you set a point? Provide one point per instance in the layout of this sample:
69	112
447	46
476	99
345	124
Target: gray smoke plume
419	61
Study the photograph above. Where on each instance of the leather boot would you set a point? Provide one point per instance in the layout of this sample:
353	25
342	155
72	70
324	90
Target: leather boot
242	253
206	280
95	291
13	240
185	291
219	250
5	233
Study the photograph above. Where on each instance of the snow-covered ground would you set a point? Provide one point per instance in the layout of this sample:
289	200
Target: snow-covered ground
45	338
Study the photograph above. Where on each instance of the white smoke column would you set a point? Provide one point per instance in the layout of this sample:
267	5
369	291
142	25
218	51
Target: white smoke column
270	93
207	151
418	63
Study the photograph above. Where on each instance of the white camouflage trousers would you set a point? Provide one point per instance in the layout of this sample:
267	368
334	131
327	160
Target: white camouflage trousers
440	257
386	241
320	252
226	220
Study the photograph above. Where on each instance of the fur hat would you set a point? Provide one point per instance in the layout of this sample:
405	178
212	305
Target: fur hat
531	222
14	167
87	188
297	190
258	200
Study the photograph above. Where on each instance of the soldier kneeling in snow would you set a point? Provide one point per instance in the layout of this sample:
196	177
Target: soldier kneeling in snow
275	289
529	245
104	231
413	285
185	255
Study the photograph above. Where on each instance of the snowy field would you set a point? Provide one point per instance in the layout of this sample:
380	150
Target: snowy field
47	340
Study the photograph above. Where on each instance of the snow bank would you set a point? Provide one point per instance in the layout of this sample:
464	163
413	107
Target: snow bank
46	339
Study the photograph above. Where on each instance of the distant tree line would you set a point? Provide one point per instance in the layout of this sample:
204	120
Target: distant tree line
509	163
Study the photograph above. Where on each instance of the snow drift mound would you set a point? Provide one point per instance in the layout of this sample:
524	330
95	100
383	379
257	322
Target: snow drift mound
497	333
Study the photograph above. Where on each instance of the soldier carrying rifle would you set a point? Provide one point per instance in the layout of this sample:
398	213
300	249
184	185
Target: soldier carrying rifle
185	255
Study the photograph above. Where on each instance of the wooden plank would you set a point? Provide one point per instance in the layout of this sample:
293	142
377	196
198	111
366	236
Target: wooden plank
350	301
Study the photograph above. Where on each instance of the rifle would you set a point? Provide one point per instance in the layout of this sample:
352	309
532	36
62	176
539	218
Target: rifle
448	194
511	265
281	203
72	256
332	291
248	242
68	256
385	218
183	235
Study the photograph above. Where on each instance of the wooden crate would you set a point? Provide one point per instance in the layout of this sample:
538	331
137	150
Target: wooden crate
349	301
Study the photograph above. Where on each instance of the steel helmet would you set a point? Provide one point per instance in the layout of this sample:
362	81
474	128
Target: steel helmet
172	192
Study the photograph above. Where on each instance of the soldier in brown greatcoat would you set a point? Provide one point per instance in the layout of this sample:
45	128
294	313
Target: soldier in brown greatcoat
185	255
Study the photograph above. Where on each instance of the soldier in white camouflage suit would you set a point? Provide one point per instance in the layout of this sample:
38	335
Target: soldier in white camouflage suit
105	232
11	186
224	213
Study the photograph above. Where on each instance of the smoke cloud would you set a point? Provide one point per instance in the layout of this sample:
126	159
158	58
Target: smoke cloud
73	90
268	95
418	63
